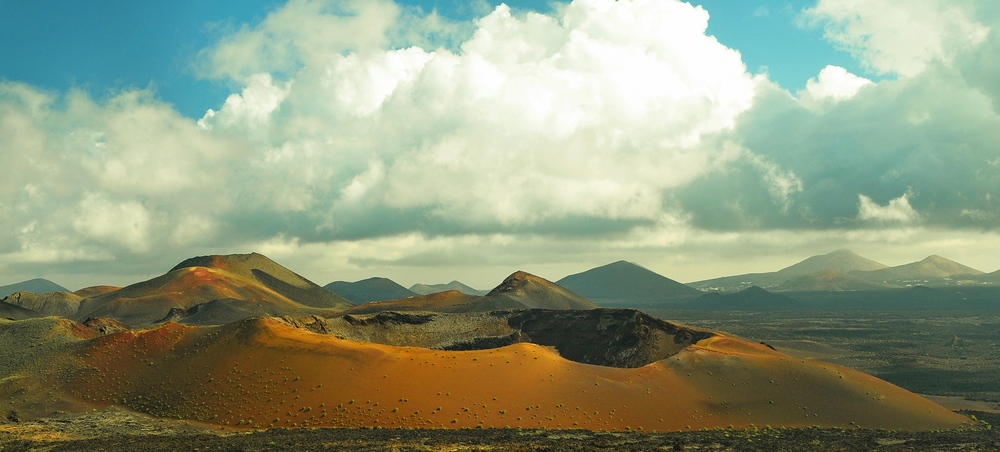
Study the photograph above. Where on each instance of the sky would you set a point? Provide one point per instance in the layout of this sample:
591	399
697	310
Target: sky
427	141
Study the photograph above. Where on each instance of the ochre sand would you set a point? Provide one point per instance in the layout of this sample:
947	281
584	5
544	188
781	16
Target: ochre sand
262	373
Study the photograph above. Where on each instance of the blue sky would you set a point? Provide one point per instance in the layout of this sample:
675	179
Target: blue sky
356	138
108	46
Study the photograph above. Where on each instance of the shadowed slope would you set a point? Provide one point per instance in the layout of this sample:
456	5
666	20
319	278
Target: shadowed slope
606	337
14	312
750	299
94	291
371	289
624	282
829	280
264	373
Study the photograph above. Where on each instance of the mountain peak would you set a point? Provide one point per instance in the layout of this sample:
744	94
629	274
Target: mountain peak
372	289
624	281
535	292
842	260
260	268
512	282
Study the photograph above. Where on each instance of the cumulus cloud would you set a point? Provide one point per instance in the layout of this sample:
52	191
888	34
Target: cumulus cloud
592	113
573	123
898	210
899	37
833	84
369	134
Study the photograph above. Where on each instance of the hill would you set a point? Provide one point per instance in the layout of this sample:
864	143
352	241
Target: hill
13	312
60	303
240	286
371	289
258	268
750	299
539	293
624	283
930	268
37	285
269	372
427	289
841	260
451	301
520	290
829	280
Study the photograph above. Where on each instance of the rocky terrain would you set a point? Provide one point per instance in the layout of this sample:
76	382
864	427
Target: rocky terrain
222	346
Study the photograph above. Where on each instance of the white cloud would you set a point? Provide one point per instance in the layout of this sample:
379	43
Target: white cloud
536	118
890	36
252	108
605	130
833	84
125	223
897	211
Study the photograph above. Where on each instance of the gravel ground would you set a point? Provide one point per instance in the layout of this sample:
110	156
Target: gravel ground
129	432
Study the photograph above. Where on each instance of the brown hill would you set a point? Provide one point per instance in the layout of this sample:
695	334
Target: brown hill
63	304
519	291
257	267
237	286
538	293
261	373
829	280
930	267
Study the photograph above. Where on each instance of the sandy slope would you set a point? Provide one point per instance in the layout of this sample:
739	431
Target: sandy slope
263	372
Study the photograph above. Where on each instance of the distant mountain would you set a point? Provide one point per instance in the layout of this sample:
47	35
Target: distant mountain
371	289
930	268
37	285
988	278
426	289
750	299
518	291
841	260
829	280
624	283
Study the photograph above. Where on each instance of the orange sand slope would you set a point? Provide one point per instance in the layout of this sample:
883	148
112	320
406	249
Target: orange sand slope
261	373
